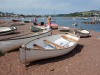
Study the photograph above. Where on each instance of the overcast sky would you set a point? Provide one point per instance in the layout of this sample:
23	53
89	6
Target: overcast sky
48	6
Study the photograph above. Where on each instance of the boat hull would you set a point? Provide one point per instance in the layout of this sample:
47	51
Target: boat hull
54	26
81	33
63	28
28	53
14	43
27	56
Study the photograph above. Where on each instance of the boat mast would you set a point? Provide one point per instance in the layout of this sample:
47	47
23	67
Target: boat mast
54	16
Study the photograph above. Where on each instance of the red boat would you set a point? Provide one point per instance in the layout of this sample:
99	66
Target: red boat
54	26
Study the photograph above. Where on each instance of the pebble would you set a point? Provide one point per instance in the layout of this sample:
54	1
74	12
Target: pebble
51	69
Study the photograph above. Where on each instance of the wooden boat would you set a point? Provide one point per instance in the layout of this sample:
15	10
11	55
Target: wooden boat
82	32
7	30
47	47
63	28
16	42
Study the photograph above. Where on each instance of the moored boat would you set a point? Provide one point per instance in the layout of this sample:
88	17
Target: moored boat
85	18
48	47
7	30
74	24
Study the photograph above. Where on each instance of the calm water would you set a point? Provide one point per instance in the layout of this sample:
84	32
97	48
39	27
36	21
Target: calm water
70	21
65	21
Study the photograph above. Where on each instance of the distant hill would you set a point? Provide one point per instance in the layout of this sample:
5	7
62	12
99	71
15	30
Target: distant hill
82	14
90	13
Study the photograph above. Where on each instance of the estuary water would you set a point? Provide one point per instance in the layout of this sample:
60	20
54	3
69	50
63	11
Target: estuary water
68	21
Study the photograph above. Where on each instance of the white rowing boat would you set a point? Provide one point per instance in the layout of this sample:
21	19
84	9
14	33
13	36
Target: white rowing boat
48	47
82	32
16	42
63	28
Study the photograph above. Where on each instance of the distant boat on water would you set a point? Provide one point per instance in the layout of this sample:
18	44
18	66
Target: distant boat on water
73	18
85	18
42	17
53	20
75	24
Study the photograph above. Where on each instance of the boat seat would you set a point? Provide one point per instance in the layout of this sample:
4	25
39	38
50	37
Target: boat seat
49	47
63	42
68	38
37	46
54	44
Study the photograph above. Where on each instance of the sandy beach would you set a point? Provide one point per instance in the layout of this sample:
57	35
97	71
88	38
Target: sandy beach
83	60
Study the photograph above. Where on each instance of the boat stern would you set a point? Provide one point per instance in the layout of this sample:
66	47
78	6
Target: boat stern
22	55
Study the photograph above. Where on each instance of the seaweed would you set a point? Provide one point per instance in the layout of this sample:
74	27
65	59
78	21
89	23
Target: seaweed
1	54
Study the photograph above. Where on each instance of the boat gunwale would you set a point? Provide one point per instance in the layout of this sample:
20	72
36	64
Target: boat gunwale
24	46
28	49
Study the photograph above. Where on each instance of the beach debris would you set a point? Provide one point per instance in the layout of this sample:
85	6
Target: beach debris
66	69
1	54
51	69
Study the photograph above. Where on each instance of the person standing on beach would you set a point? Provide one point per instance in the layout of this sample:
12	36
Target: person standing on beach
49	20
49	24
35	21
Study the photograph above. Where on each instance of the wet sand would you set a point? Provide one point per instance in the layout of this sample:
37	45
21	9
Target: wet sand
83	60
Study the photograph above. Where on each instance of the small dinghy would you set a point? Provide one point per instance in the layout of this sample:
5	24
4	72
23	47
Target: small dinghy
74	24
54	26
48	47
7	30
37	28
63	28
82	32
